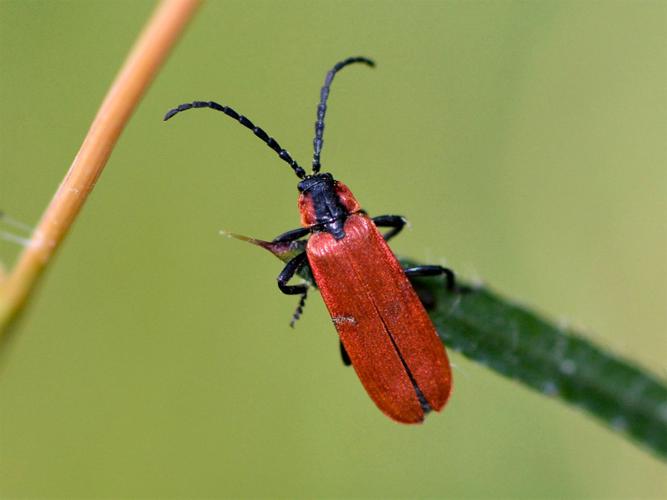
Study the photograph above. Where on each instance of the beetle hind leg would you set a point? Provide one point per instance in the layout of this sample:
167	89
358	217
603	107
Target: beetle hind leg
344	355
396	223
450	277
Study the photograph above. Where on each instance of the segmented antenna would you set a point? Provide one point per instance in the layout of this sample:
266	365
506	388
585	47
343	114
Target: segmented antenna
269	141
322	106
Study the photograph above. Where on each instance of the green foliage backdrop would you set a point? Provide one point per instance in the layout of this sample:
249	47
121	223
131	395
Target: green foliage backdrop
523	140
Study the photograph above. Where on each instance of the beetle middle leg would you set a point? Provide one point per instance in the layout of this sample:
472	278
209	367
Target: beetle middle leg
450	278
288	272
395	222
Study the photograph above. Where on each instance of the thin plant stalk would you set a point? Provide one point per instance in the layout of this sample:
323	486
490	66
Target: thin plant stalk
144	61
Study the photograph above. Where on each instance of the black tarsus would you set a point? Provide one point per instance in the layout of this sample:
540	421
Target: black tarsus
450	278
395	222
299	309
322	106
261	134
289	237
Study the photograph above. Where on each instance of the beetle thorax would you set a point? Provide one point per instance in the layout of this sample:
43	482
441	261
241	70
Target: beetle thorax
326	203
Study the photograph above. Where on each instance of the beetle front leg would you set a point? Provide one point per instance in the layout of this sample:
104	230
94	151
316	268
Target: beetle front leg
292	235
290	269
450	278
299	308
395	222
287	274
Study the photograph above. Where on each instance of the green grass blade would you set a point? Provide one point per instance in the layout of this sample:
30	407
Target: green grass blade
518	343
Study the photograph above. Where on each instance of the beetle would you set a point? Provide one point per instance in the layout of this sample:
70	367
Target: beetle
385	332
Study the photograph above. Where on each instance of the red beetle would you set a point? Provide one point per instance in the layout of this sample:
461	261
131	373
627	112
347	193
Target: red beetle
384	330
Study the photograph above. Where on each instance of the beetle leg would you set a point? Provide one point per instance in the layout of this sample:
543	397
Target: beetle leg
344	356
395	222
417	271
299	309
291	235
290	269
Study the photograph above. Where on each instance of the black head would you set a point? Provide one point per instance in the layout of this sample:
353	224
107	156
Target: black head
316	182
321	205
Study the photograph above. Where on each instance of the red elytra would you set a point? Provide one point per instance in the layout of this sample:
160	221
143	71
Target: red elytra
382	324
383	327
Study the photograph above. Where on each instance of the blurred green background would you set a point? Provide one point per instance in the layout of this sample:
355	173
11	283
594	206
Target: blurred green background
525	141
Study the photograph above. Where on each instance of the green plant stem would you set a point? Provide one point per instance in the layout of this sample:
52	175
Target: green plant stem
558	362
519	344
143	63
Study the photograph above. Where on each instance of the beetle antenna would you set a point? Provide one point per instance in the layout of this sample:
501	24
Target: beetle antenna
269	141
322	106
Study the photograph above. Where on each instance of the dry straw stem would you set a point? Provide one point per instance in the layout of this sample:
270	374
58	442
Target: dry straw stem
143	63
